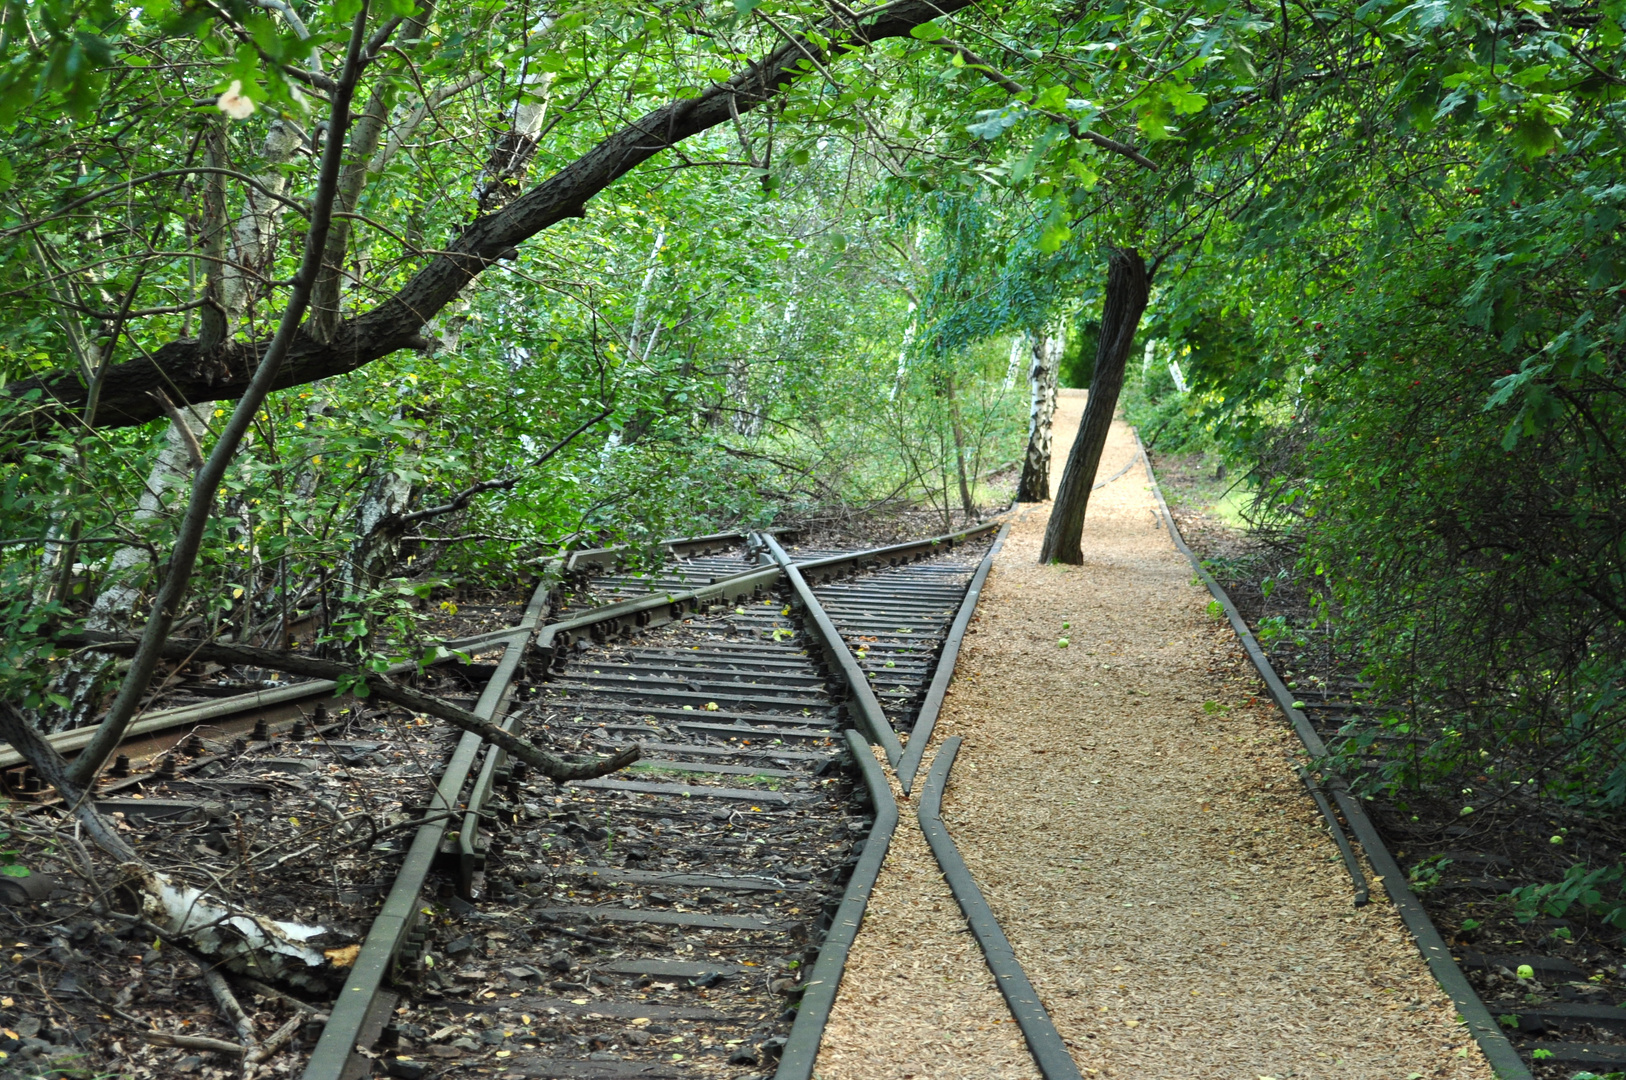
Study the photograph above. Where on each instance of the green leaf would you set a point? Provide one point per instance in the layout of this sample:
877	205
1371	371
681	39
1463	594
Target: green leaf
929	31
14	870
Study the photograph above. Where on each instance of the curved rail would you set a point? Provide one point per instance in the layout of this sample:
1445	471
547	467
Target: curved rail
921	734
862	706
802	1047
1044	1041
1495	1045
363	1005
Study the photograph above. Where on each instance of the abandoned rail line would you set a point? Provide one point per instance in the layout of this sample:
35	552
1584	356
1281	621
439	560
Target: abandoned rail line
688	917
663	921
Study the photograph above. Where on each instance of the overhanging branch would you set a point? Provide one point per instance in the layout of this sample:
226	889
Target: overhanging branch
190	374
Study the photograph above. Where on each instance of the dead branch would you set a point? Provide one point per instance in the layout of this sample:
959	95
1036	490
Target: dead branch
194	1042
550	765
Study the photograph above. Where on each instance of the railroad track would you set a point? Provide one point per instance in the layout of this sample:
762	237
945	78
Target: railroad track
1527	997
1570	1012
743	704
577	581
661	921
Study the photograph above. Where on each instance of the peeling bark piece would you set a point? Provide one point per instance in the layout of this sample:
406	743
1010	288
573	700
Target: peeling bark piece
246	942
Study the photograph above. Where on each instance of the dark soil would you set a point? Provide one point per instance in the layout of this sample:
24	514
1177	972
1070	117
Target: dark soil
308	825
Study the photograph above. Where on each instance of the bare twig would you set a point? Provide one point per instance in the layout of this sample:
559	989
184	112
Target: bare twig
279	1038
1000	79
230	1006
464	497
549	765
194	1042
194	452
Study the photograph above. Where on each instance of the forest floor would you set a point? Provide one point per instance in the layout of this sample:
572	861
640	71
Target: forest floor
1128	806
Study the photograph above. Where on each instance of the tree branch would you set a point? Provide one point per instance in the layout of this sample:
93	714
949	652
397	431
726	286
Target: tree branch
549	765
1005	82
397	323
464	497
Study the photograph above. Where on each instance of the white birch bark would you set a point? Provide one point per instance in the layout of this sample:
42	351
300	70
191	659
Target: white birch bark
903	353
1042	377
251	251
128	570
1019	346
500	181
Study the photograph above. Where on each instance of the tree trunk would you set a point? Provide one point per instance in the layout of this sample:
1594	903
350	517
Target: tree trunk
254	231
1047	349
128	571
958	429
1127	293
510	160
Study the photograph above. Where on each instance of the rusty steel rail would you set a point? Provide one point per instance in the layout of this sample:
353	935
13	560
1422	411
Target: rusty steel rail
819	996
861	705
236	705
921	734
363	1005
1045	1043
395	928
66	742
1497	1048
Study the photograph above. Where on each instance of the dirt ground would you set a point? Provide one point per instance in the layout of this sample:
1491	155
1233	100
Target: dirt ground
1127	804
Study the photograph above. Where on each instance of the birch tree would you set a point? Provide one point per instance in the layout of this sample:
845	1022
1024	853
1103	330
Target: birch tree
1045	351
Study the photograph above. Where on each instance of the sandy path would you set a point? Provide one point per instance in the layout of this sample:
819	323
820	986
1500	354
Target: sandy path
1160	872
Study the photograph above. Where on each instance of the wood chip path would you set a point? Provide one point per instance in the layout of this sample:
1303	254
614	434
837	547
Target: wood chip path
1128	807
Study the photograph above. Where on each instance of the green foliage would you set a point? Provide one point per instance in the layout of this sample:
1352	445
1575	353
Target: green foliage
1597	892
1389	267
10	863
1428	873
1078	359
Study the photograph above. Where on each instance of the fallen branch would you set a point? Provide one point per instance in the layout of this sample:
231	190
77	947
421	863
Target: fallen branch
550	765
172	909
194	1042
266	990
279	1038
230	1005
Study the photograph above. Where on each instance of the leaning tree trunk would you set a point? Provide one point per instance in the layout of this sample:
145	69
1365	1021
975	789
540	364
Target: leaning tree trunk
1127	292
1047	349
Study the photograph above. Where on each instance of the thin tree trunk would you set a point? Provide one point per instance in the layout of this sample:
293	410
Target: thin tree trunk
958	430
1047	349
127	573
243	277
502	179
213	330
1128	290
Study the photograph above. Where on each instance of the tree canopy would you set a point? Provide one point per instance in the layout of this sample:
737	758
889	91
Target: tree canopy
310	304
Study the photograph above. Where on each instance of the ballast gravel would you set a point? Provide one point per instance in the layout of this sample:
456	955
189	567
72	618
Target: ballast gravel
1127	804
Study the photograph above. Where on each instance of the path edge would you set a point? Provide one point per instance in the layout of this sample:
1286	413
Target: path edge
1045	1043
819	995
926	719
1504	1060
